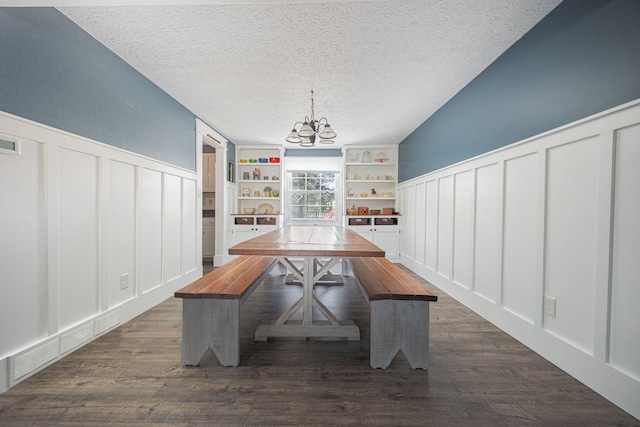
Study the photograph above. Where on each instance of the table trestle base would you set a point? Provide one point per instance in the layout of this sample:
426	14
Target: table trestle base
346	329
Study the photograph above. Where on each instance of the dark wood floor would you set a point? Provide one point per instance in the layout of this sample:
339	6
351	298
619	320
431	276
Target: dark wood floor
478	376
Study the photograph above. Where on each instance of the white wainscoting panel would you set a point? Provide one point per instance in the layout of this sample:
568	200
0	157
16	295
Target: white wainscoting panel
421	222
488	232
150	230
22	254
519	257
431	233
571	225
120	236
625	276
445	226
76	216
463	229
558	216
409	205
78	229
189	226
172	241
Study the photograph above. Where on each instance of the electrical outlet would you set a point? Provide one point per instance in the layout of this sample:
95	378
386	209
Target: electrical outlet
124	281
549	306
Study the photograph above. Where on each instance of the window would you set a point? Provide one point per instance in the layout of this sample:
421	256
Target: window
312	195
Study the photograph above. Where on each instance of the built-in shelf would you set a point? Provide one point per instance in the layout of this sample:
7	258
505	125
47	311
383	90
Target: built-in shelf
370	198
370	164
258	198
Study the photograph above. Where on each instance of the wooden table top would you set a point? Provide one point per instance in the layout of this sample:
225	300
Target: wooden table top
309	241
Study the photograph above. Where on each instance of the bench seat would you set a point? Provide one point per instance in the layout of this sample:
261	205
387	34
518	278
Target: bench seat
399	311
211	309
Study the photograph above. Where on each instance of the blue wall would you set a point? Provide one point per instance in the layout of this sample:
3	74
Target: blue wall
581	59
305	152
53	72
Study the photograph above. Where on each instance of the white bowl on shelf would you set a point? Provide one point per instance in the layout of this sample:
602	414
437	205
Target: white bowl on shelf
351	176
248	211
363	177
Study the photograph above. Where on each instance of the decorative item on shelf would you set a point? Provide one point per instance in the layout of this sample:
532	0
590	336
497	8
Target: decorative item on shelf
256	173
351	176
363	177
353	156
263	160
248	211
275	193
262	211
246	176
373	192
352	210
363	210
306	135
246	192
243	160
256	193
374	212
268	207
274	177
366	157
381	157
274	159
265	177
387	211
253	161
267	191
350	192
387	194
363	194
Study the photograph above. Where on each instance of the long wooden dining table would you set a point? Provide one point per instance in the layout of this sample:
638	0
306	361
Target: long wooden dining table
320	249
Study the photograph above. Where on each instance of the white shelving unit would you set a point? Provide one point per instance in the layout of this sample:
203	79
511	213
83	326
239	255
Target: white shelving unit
370	195
253	177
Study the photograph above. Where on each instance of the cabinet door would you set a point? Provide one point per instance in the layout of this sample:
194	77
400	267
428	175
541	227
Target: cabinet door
364	230
387	237
208	240
242	233
262	229
209	172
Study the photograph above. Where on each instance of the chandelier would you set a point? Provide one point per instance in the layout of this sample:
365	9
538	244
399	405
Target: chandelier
310	129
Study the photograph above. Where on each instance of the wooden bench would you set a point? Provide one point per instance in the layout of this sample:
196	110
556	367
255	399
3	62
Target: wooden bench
211	309
399	311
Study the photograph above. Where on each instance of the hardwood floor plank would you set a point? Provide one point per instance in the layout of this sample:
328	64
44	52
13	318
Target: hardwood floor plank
477	376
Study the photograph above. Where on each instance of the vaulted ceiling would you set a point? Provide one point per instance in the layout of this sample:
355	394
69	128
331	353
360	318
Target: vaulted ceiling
378	68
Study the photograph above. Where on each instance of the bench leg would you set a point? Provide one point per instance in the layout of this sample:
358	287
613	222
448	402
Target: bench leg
399	325
211	323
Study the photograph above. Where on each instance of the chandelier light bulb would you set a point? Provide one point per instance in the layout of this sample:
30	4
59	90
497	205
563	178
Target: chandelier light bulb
293	137
327	132
306	130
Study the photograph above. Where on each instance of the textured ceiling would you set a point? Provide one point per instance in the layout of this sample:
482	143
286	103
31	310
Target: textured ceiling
378	68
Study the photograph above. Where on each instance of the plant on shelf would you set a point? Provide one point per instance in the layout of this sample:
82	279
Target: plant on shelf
275	193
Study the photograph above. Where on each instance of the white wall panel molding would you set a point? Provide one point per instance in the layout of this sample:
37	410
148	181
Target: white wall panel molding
488	217
445	226
463	231
553	216
624	326
90	241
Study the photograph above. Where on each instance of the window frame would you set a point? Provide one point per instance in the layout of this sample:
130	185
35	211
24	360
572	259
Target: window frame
334	221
